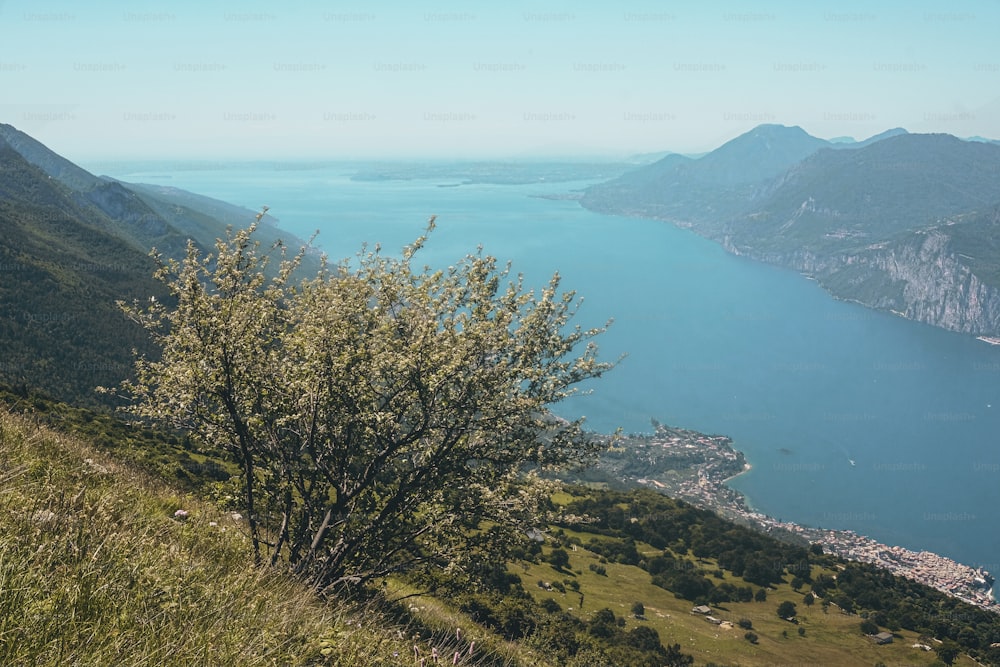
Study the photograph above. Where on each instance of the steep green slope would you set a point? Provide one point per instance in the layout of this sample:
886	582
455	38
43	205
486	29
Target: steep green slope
205	219
54	165
574	596
705	560
71	245
146	216
831	638
61	272
619	548
101	565
103	204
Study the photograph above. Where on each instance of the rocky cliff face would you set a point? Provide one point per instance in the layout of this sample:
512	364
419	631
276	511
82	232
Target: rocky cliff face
907	223
938	289
921	278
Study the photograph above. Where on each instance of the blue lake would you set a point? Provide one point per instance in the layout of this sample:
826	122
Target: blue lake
804	384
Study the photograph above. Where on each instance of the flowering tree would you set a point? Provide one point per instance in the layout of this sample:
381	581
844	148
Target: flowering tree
382	416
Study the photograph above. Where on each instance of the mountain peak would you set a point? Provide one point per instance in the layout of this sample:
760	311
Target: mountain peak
761	153
776	129
894	132
982	140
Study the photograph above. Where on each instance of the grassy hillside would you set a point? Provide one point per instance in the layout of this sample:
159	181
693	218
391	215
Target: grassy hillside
98	568
830	636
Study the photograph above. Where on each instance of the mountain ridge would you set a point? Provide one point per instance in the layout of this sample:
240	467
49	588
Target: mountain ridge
48	161
71	245
826	213
63	270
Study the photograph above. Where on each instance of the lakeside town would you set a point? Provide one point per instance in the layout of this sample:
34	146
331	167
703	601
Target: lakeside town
695	467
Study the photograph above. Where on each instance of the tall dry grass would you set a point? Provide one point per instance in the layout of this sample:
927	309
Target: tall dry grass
99	567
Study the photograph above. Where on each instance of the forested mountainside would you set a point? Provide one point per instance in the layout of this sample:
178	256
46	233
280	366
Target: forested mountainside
71	245
901	222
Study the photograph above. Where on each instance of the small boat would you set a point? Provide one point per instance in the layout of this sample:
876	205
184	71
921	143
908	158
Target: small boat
851	461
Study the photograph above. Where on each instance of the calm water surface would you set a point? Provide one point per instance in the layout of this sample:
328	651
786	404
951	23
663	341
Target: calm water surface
851	418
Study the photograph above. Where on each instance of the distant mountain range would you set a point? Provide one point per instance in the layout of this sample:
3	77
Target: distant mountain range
908	223
71	244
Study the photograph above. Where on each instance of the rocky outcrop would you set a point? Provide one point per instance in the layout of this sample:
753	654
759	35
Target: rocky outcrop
134	216
921	278
937	288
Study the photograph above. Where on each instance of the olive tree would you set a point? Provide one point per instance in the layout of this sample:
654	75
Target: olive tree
383	416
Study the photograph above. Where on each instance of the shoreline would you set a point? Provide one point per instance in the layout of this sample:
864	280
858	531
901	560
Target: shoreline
696	468
747	467
969	584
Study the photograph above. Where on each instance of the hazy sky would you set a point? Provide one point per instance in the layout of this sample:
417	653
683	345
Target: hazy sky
209	80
